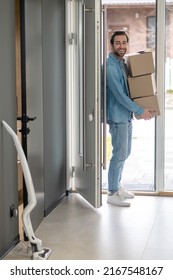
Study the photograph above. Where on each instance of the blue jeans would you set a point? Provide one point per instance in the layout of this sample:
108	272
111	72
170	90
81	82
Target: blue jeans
121	134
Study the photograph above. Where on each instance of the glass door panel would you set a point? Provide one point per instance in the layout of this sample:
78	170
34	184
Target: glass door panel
139	21
168	167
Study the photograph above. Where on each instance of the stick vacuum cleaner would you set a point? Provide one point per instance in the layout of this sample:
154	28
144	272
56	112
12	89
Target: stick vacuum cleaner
38	252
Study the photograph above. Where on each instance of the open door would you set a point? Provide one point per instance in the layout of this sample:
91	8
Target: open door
86	120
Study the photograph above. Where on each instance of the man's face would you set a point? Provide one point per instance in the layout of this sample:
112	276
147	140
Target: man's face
120	45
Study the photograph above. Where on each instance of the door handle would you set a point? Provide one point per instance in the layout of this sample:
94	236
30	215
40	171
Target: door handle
24	120
90	117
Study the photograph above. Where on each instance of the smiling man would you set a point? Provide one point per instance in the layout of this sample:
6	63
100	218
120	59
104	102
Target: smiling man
120	109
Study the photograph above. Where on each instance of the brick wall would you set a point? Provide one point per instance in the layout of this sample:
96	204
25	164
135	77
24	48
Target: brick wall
133	19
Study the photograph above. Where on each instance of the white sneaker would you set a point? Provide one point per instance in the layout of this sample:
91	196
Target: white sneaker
117	199
125	193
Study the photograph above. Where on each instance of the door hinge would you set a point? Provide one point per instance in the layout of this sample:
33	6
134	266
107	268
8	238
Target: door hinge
73	172
72	38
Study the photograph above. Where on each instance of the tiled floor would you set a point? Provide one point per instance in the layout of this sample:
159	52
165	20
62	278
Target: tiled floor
77	231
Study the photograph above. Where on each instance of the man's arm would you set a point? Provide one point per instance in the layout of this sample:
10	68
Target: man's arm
147	115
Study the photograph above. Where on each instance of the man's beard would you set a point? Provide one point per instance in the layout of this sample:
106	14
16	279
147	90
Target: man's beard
121	54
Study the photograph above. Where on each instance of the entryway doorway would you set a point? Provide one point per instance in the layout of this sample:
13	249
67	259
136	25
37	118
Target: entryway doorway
149	167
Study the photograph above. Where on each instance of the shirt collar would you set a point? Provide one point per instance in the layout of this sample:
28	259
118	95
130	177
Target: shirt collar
120	60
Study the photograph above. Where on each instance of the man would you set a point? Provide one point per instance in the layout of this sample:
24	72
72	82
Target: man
120	109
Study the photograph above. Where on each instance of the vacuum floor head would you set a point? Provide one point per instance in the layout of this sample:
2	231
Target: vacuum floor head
42	255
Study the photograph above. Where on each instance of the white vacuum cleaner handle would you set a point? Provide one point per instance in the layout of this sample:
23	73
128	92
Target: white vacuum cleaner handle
39	252
30	189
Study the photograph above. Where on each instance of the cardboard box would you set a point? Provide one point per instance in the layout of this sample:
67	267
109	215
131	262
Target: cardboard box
142	86
140	63
149	102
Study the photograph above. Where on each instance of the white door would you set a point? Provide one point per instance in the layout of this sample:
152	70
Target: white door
85	87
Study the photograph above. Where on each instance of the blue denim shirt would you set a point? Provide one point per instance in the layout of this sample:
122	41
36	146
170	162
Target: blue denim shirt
118	102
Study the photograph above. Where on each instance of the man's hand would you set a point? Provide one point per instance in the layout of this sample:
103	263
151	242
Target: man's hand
147	115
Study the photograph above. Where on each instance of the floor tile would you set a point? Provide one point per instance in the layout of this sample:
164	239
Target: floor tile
75	230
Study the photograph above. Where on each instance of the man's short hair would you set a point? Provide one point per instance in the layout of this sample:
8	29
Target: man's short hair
118	33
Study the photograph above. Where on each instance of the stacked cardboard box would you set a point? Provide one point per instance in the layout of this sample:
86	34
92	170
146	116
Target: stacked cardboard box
142	81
